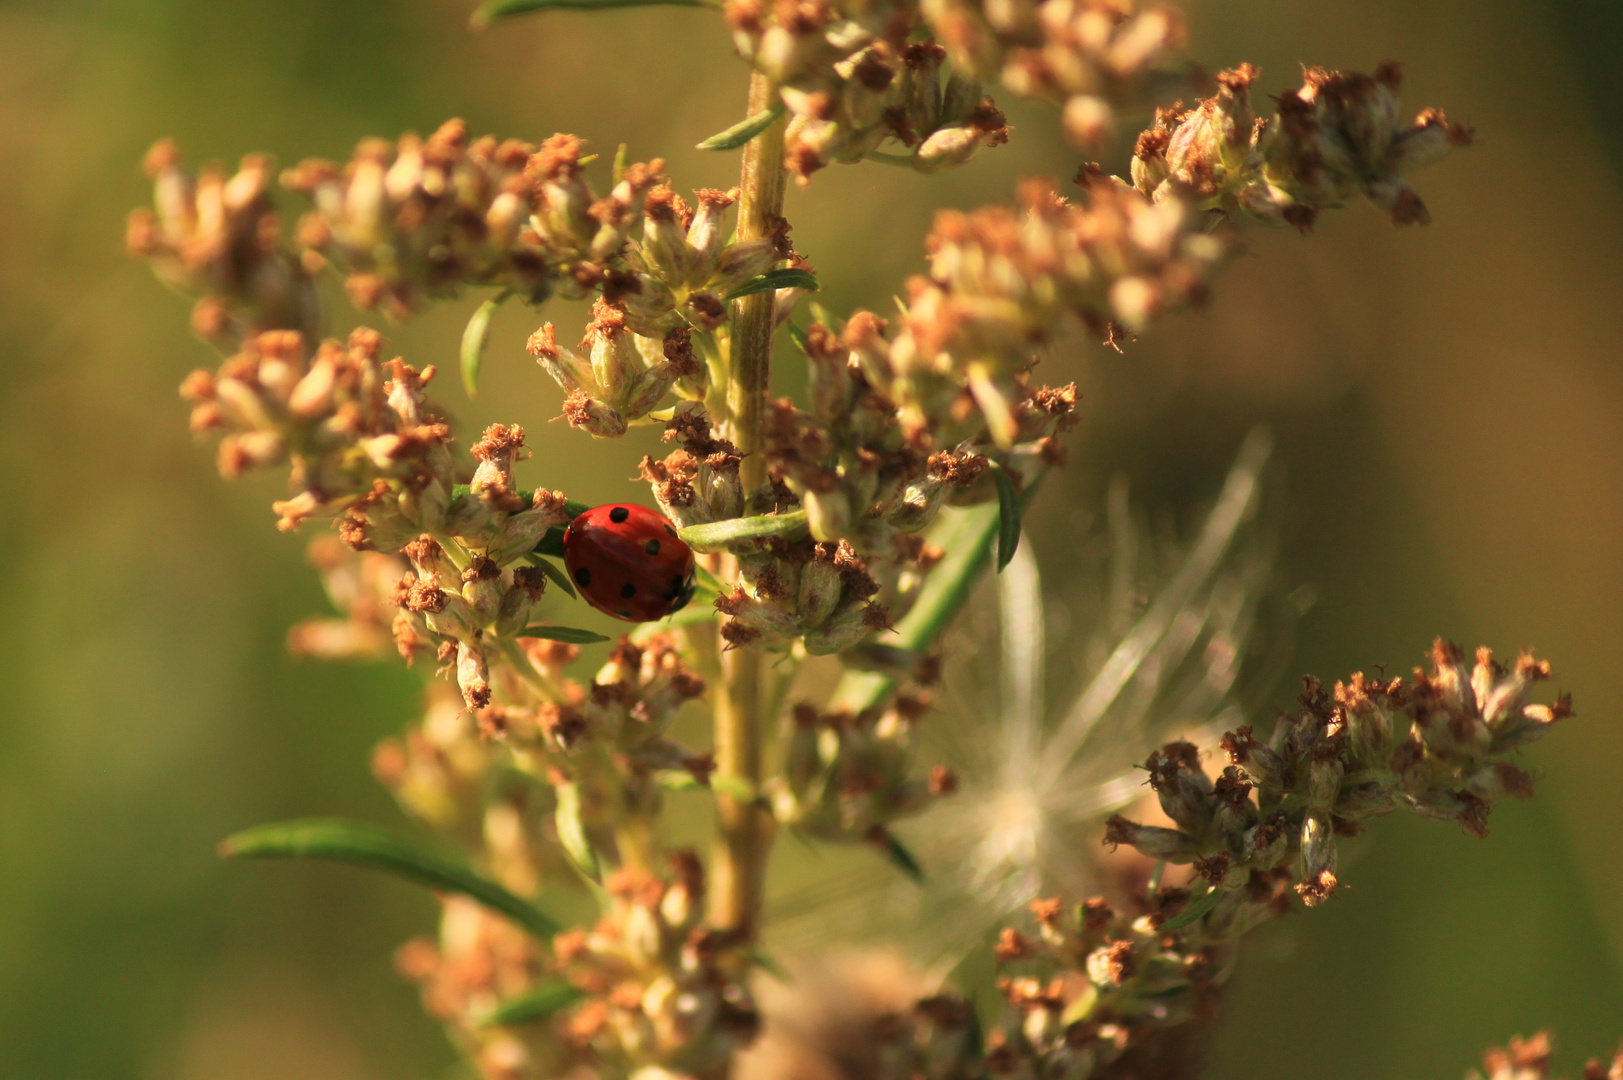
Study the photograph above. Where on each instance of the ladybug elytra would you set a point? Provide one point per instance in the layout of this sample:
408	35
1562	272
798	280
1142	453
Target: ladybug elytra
627	561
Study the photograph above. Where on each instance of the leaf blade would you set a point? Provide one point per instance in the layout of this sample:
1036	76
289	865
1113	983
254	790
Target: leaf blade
788	277
495	10
1008	516
1192	914
743	131
538	1004
569	635
359	844
572	831
900	857
554	572
475	336
718	535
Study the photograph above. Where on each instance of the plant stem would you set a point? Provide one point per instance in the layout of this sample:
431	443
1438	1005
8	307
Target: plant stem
760	213
738	868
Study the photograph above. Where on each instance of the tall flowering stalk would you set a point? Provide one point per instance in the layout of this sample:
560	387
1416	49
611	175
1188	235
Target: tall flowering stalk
850	524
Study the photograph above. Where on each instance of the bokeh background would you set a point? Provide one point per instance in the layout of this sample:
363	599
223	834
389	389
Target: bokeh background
1448	404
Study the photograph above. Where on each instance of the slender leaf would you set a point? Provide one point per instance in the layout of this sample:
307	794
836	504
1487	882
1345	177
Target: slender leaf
975	1037
1156	875
554	572
538	1004
1008	516
569	635
698	611
767	964
966	536
709	582
718	535
1081	1006
745	130
551	543
786	278
572	830
474	338
798	336
734	786
571	507
901	858
364	845
621	158
493	10
1193	913
677	780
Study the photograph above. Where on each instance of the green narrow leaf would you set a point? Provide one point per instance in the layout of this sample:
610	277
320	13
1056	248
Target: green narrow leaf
621	158
474	337
698	611
1081	1006
494	10
538	1004
745	130
363	845
554	572
1008	516
1193	913
572	831
717	535
1156	874
551	543
786	278
798	336
708	581
975	1037
569	635
571	507
966	536
901	858
676	780
768	965
735	786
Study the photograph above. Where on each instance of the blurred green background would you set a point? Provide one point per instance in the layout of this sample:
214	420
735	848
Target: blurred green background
1448	401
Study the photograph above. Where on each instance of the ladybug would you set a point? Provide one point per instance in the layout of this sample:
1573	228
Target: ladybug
627	561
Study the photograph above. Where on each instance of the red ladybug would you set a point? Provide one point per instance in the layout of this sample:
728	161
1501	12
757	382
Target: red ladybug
627	561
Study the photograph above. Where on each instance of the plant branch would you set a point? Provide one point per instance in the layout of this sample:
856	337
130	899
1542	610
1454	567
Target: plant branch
738	868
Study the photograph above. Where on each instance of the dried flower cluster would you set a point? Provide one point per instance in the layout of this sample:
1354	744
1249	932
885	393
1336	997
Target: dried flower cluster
1435	745
1337	136
1086	986
822	524
855	77
1093	57
219	237
1529	1059
848	777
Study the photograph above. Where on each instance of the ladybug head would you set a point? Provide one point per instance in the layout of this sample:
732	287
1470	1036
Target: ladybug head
681	591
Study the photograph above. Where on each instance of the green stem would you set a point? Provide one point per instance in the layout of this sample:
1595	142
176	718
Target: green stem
738	869
526	670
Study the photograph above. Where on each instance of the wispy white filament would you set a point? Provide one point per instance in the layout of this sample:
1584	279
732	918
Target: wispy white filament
1234	506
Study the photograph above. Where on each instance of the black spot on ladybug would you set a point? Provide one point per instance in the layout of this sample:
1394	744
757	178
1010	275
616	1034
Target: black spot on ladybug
670	530
674	589
627	591
583	577
652	547
619	514
624	614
